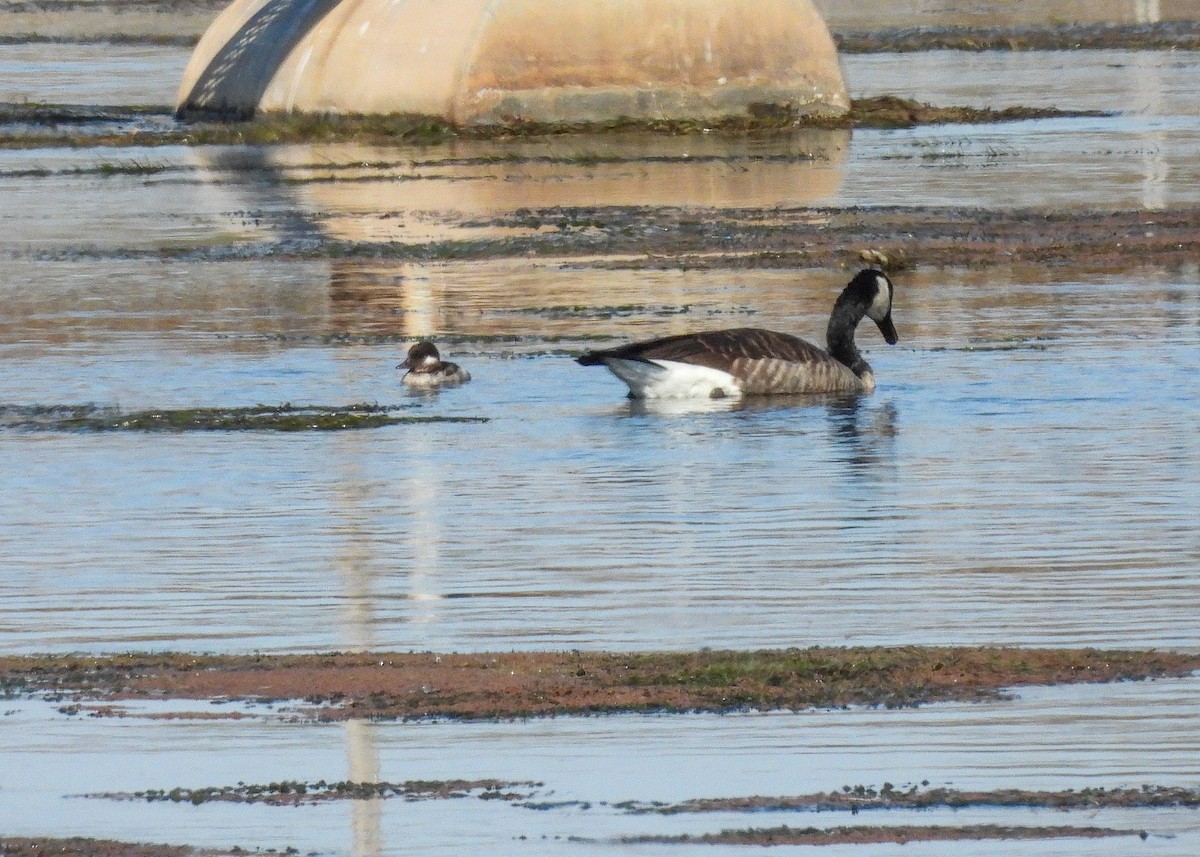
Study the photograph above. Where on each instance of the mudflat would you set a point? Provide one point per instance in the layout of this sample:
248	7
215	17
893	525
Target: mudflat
389	685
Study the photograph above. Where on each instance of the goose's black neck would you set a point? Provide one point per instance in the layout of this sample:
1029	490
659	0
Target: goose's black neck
848	311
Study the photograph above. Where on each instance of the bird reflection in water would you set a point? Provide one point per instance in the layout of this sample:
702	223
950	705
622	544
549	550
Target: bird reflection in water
866	433
863	428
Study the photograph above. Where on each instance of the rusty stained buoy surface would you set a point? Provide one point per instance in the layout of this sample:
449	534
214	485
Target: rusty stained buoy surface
487	62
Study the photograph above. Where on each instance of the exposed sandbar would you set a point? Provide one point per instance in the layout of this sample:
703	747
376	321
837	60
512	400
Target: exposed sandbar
390	686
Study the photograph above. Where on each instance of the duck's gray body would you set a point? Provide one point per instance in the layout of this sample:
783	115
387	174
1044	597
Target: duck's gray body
750	361
426	369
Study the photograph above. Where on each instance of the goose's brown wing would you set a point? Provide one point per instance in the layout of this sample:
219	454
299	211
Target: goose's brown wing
716	349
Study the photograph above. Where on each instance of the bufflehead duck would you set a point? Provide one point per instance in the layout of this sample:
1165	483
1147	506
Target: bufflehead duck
751	362
427	369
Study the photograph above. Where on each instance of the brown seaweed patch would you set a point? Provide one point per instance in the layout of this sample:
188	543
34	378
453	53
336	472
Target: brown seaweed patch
855	799
105	169
392	129
280	418
391	686
269	129
784	835
78	846
184	40
297	792
46	113
647	238
884	111
604	312
890	111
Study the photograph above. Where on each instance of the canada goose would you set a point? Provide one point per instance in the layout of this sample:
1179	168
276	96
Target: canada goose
427	369
748	361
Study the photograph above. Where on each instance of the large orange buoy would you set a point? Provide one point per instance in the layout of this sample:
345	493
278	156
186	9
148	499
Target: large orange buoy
499	61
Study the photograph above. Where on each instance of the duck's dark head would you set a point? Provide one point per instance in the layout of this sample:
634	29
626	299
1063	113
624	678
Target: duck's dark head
872	290
423	354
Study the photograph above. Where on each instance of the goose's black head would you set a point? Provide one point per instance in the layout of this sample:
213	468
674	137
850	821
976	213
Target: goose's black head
424	353
872	290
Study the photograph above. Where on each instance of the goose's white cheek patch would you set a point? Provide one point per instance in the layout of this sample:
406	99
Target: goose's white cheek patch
883	300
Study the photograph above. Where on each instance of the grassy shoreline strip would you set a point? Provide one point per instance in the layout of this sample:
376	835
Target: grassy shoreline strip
398	686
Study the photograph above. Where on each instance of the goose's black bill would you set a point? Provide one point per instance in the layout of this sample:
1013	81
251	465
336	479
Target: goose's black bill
888	330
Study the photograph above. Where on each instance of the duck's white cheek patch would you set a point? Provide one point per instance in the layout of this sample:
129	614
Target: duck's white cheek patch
668	379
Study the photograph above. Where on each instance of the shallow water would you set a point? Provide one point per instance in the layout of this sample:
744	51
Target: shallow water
574	518
1145	155
1025	473
1059	738
101	74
